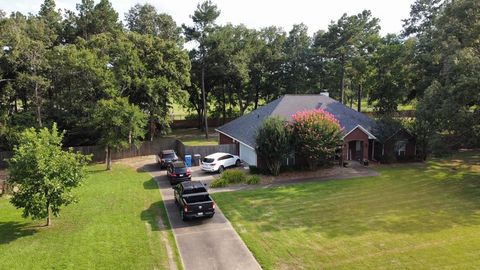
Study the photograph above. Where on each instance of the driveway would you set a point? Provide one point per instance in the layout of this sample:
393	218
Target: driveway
206	243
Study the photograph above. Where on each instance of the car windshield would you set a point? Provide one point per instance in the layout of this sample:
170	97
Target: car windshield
171	155
208	160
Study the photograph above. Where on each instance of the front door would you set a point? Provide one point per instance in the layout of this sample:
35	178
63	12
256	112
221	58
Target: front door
355	150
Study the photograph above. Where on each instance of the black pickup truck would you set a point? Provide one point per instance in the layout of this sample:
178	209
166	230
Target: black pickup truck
193	200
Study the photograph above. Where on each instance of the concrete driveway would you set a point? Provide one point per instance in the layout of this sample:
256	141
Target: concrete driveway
205	243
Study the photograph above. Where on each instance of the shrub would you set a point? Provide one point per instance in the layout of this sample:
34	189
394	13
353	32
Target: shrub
273	143
219	182
316	135
233	176
253	180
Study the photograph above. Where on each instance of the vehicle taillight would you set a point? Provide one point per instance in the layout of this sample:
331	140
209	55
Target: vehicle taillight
172	174
185	209
189	172
213	205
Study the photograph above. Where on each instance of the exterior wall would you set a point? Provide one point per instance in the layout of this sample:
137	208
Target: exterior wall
224	139
248	155
355	135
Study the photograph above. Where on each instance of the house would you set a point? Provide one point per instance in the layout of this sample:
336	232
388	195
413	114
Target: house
361	134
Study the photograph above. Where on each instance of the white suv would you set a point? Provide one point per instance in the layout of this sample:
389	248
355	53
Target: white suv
219	161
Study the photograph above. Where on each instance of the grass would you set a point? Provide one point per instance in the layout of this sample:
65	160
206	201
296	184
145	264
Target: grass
194	137
114	225
413	216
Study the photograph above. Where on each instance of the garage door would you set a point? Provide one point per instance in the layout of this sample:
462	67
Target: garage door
248	155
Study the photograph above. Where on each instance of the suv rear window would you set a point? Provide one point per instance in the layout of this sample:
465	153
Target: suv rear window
208	160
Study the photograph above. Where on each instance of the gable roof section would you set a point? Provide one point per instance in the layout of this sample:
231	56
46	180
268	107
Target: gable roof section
244	128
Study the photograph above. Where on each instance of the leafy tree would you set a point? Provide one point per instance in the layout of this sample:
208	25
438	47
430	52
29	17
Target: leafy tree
450	104
347	40
389	80
52	18
95	19
204	23
80	78
296	71
144	19
44	173
316	135
273	143
120	125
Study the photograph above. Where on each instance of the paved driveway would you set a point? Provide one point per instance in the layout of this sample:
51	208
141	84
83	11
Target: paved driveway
206	243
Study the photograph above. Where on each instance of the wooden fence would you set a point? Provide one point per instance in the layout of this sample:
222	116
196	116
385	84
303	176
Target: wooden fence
98	152
146	148
205	150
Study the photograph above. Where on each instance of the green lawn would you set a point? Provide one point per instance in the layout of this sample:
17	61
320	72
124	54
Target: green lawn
413	216
194	136
113	226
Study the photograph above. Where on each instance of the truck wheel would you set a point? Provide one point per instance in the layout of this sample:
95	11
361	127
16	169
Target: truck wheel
182	214
221	169
209	216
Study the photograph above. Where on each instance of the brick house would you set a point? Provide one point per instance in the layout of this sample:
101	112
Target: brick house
361	139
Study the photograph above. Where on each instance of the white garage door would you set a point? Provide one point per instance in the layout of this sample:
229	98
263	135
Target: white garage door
248	155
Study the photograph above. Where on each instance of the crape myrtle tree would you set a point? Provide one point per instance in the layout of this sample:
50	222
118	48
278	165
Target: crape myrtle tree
316	136
119	123
44	173
273	143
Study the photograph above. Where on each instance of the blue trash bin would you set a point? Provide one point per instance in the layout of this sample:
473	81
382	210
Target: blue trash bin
188	160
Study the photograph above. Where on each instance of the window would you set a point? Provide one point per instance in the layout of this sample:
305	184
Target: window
400	148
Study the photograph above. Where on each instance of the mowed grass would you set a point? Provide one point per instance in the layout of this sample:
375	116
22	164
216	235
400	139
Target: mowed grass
413	216
114	225
194	136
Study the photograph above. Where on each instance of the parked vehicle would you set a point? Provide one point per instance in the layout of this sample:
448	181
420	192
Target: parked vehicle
193	200
178	172
219	161
166	157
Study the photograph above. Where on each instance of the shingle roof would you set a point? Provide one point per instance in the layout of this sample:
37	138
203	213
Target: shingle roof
244	128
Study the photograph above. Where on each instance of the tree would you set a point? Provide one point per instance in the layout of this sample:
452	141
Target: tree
44	173
296	72
204	22
389	80
273	143
95	19
347	39
144	19
449	106
52	19
317	135
120	125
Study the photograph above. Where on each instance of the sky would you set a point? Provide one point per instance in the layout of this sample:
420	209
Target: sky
316	14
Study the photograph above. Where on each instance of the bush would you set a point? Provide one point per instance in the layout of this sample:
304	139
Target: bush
253	180
219	182
234	176
273	143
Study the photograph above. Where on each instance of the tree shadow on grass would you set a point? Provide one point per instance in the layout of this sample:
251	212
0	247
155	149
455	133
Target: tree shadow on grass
11	231
153	215
150	184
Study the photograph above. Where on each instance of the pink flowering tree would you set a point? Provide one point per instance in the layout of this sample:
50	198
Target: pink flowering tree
316	135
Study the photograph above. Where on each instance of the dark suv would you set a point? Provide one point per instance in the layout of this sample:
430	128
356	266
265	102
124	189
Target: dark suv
166	157
178	172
